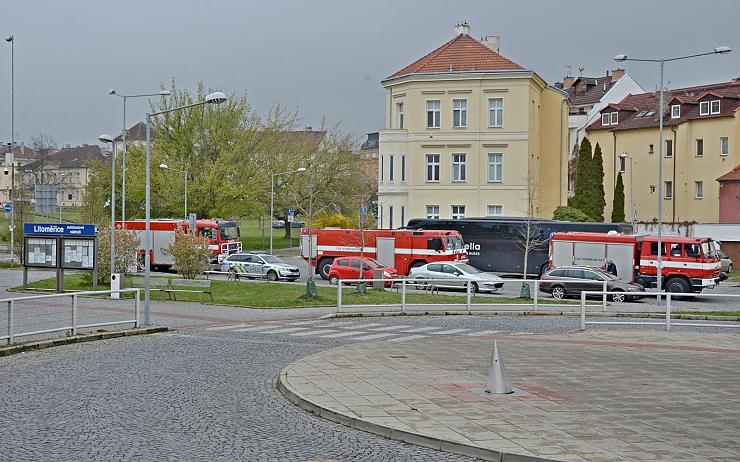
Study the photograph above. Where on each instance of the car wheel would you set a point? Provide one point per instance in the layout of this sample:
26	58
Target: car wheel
677	285
233	274
334	280
730	268
474	288
324	267
558	292
619	298
272	276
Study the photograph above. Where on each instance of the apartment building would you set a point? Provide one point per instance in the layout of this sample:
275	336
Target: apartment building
469	132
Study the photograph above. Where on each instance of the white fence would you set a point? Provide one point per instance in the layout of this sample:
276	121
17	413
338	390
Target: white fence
26	319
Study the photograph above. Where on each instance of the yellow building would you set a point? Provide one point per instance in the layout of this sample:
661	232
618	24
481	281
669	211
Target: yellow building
471	133
701	130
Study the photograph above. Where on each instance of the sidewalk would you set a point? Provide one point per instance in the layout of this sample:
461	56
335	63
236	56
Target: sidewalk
596	396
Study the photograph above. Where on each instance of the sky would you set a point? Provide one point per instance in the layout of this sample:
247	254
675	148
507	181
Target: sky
324	58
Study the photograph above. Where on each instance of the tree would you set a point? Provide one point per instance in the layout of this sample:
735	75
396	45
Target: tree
584	172
191	254
564	213
530	236
127	245
618	204
598	200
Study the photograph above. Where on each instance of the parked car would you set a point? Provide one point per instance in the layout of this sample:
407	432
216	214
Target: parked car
725	262
455	275
570	281
297	224
257	265
278	224
349	268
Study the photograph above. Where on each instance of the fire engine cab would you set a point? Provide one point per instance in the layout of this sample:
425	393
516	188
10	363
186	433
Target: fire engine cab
398	248
223	238
689	264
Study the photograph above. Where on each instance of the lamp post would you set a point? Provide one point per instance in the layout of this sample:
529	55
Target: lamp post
123	134
625	156
164	166
272	198
213	98
622	58
11	39
109	139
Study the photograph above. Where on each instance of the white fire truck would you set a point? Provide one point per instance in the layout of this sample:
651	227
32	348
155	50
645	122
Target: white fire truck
223	238
398	248
690	264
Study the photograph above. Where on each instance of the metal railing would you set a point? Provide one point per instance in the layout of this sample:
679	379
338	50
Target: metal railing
667	321
73	326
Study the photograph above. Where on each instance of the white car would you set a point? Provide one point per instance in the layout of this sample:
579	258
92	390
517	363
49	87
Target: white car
259	265
455	275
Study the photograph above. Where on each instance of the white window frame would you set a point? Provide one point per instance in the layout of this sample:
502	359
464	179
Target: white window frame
461	121
666	186
391	172
436	113
605	119
711	106
614	118
434	213
704	108
488	210
676	111
459	174
432	162
622	164
489	163
458	215
399	114
492	113
724	146
403	168
699	142
698	189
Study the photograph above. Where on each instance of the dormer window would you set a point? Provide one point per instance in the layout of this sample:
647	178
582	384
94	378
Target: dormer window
675	111
714	105
614	118
604	119
704	108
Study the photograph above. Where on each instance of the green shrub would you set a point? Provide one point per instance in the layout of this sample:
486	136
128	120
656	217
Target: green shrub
564	213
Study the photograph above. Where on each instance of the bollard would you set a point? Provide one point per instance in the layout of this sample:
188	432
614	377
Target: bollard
498	382
10	321
668	312
467	289
137	307
339	295
583	310
74	314
536	292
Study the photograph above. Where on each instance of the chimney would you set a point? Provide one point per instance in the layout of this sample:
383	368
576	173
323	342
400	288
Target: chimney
617	74
462	28
568	81
492	41
309	128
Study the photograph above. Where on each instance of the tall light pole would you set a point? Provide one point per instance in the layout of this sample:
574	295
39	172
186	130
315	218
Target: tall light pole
164	166
661	188
213	98
11	39
272	198
112	141
625	156
123	134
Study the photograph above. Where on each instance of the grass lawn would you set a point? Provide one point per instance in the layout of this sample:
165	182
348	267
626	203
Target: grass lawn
734	276
251	235
277	295
710	313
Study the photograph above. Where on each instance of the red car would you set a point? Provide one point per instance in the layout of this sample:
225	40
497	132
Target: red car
349	268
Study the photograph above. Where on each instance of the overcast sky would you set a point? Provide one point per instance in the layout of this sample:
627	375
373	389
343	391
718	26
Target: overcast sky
324	57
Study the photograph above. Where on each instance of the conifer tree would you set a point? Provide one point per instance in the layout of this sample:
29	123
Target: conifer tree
597	195
618	203
581	198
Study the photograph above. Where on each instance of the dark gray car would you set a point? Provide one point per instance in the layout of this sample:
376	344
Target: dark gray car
570	281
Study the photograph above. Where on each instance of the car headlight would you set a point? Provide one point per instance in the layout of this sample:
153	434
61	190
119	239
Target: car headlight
386	274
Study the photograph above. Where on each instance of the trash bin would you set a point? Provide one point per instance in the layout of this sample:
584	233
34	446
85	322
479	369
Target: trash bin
378	274
115	284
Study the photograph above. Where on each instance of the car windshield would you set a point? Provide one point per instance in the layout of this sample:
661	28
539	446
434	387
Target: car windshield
371	264
229	231
709	250
607	276
271	259
468	269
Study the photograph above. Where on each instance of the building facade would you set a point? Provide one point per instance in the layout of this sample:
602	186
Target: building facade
468	133
701	129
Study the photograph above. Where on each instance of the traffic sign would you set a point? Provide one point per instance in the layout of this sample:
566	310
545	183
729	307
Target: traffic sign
363	218
8	207
363	210
291	215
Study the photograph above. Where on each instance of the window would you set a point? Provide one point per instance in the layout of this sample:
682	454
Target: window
699	147
399	112
435	267
651	150
403	168
496	112
458	212
343	262
675	111
614	118
669	148
622	164
495	167
382	168
494	210
390	216
380	217
704	108
714	106
432	167
604	119
674	250
403	215
390	168
574	274
433	113
698	189
668	190
69	197
433	212
724	146
654	248
458	167
460	113
449	269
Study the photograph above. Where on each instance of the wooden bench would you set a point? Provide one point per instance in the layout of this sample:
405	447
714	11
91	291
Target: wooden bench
193	286
156	284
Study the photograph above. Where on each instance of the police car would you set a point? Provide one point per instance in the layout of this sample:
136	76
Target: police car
259	265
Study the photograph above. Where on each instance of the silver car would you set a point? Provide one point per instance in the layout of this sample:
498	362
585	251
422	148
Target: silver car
455	275
258	265
725	262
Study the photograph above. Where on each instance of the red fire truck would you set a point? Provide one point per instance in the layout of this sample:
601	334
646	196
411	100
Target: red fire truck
223	238
689	264
399	248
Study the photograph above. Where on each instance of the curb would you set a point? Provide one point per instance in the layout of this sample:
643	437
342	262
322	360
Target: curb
380	314
400	435
42	344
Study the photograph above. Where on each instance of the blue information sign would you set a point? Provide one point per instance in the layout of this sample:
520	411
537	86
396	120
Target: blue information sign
59	229
8	207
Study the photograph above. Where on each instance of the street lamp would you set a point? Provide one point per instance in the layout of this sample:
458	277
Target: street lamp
212	98
124	132
164	166
11	39
109	140
625	156
622	58
272	197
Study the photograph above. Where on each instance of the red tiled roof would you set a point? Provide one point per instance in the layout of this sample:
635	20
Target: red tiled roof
462	53
727	92
732	175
